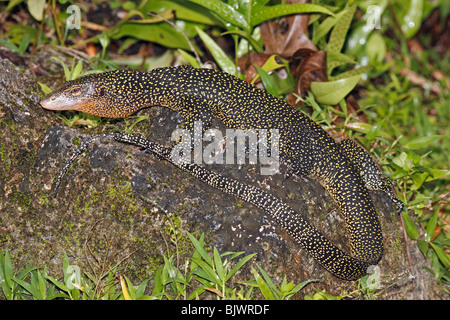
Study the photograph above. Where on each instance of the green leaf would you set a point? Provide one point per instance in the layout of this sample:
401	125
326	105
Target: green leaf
338	35
218	264
208	272
422	141
431	226
332	92
131	289
301	285
28	287
41	285
326	26
184	10
359	127
192	61
445	259
404	161
411	229
57	283
158	285
6	275
36	8
161	33
410	16
267	81
239	265
12	4
225	11
141	288
376	48
221	58
270	284
45	88
349	73
262	285
200	249
77	70
423	247
261	13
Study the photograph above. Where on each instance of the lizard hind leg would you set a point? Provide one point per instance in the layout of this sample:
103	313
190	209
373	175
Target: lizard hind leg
371	174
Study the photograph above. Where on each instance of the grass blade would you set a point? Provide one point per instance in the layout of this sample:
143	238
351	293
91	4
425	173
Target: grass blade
200	249
262	285
239	265
220	270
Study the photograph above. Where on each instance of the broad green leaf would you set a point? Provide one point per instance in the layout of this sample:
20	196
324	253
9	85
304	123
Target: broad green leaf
221	58
411	229
184	10
410	15
6	275
218	264
158	286
445	259
332	92
359	127
225	11
270	284
200	249
423	247
376	48
267	81
161	33
337	58
431	226
438	174
77	70
404	161
28	287
36	8
192	61
239	265
45	88
260	13
422	141
57	283
207	271
41	285
262	285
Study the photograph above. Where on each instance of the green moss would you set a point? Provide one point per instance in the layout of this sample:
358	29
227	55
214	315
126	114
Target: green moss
23	200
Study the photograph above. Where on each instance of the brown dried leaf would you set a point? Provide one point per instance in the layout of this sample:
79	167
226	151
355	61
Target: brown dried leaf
288	35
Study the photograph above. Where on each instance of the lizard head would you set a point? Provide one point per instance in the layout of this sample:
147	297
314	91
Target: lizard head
115	94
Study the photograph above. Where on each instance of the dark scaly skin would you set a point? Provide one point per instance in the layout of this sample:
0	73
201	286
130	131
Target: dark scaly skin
201	94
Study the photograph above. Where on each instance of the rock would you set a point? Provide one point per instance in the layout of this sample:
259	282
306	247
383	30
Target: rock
113	205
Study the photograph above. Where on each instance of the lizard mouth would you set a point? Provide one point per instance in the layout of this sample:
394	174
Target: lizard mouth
61	103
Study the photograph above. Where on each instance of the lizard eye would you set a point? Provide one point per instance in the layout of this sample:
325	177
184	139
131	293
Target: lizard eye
101	92
75	91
